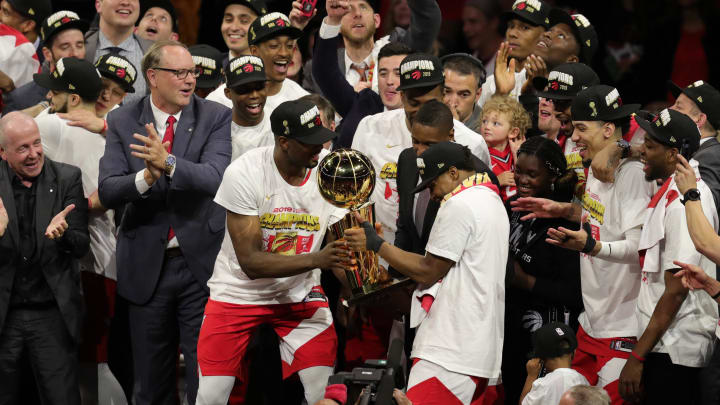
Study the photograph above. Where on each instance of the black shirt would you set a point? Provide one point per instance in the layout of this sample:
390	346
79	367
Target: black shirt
29	285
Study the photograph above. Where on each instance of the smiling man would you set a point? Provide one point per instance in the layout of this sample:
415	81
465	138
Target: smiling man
116	35
166	174
158	21
571	38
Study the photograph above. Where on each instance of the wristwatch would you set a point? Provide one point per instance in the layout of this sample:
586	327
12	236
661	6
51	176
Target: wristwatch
170	164
625	146
691	195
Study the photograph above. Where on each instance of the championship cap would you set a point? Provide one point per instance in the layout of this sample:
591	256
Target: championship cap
674	129
300	120
209	59
437	159
269	26
535	12
584	32
72	75
59	21
600	103
548	341
705	96
119	69
420	70
565	81
258	6
166	5
245	69
36	10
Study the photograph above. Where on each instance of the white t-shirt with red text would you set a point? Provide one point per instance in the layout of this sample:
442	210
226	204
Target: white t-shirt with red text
293	220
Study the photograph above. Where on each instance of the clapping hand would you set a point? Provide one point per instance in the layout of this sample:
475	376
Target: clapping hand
504	71
58	225
153	150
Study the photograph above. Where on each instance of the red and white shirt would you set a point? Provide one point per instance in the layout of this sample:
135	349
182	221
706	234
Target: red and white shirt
502	161
293	220
18	57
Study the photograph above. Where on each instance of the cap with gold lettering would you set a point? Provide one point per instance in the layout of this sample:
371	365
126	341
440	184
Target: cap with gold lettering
119	69
420	70
72	75
60	21
269	26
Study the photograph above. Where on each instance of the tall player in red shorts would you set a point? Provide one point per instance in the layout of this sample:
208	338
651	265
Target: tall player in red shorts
268	267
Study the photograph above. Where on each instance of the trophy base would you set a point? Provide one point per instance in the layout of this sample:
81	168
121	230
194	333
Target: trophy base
379	294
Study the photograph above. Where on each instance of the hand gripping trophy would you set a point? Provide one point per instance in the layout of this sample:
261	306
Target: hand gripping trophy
346	179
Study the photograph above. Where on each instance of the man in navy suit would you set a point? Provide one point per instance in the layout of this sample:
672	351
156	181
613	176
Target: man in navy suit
164	158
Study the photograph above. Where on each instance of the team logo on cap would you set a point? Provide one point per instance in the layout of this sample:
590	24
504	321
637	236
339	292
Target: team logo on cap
274	19
416	75
580	20
61	17
120	67
613	99
248	64
207	64
309	117
120	73
530	6
559	80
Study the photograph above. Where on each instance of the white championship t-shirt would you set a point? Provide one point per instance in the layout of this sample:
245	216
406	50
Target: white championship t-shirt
290	90
293	221
247	138
382	137
463	331
550	388
689	338
610	289
79	147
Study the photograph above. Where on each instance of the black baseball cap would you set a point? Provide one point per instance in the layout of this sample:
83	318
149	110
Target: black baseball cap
674	129
300	120
166	5
72	75
210	60
548	341
258	6
36	10
420	70
475	61
245	69
535	12
119	69
437	159
269	26
584	32
705	96
60	21
600	103
565	81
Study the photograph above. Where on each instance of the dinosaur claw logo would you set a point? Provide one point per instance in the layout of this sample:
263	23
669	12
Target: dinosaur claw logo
120	73
248	68
65	20
554	85
416	75
520	6
318	121
280	22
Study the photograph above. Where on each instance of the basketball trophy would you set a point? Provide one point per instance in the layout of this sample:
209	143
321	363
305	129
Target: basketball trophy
346	179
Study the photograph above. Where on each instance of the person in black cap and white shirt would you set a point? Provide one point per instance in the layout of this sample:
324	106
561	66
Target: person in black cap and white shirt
272	38
158	21
250	127
464	76
383	136
76	88
554	347
463	267
210	60
527	20
675	327
268	267
612	216
62	36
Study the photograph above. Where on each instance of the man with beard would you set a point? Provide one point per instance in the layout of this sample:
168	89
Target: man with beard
612	217
158	21
272	38
675	326
62	36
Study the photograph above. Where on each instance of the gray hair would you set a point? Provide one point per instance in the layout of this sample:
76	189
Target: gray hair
587	395
153	56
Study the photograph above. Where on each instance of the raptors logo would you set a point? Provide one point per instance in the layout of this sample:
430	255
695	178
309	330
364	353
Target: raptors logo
318	121
248	68
65	20
416	75
280	22
520	6
554	85
120	73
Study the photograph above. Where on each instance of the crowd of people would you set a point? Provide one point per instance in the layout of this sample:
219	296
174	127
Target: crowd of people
164	238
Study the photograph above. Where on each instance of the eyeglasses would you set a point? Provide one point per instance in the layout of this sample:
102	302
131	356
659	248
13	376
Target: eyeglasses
182	73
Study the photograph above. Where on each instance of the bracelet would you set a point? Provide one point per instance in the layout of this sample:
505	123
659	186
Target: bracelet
716	296
640	359
590	242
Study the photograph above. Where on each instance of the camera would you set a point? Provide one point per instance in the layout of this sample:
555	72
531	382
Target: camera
375	381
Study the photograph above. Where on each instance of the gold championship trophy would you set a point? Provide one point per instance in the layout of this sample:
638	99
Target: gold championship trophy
346	179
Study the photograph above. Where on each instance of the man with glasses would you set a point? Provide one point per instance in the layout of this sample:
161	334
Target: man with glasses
164	161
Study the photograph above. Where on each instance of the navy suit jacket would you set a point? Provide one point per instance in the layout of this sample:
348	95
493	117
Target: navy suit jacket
185	201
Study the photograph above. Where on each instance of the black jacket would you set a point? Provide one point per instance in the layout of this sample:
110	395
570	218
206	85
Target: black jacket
58	186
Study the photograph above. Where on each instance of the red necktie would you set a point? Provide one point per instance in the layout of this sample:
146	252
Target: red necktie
169	137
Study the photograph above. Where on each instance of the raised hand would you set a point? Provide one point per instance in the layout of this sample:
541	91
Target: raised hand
535	66
515	142
4	219
58	225
336	10
684	175
504	71
297	19
538	207
84	119
154	151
